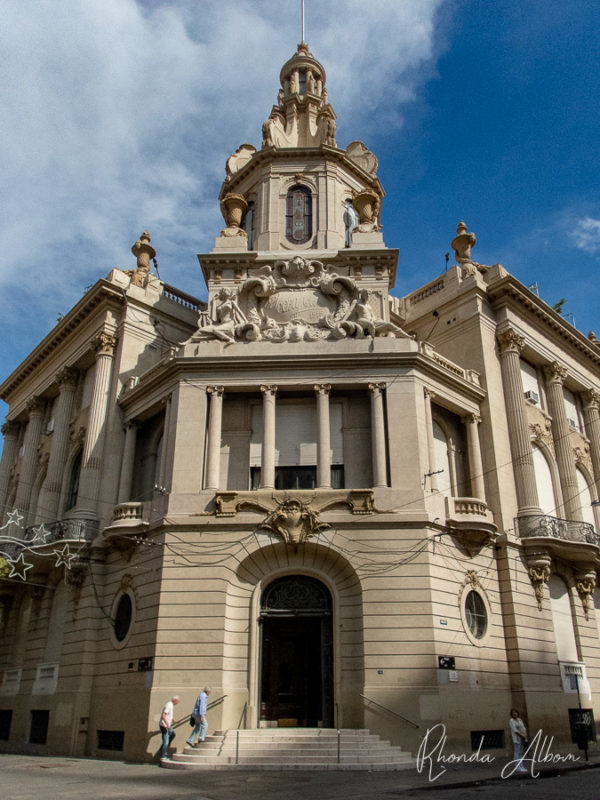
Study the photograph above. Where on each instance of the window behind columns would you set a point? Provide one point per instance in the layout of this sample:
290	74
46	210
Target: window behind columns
296	444
562	619
450	446
585	497
531	384
572	409
148	448
543	480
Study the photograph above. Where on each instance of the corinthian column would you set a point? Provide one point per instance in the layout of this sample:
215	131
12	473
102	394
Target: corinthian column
213	450
36	407
433	483
472	422
323	437
10	431
561	433
378	455
67	382
591	414
511	344
93	445
267	461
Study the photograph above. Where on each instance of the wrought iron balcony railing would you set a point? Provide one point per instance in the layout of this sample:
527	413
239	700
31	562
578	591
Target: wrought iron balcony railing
566	530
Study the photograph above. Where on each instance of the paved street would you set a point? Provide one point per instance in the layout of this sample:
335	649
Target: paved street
29	777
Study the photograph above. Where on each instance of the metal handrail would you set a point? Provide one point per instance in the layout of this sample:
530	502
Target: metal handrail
567	530
391	711
243	715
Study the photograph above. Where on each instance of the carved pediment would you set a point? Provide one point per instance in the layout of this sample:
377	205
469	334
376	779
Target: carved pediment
295	300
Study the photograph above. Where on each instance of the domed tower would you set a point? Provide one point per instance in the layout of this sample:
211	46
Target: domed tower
300	197
300	191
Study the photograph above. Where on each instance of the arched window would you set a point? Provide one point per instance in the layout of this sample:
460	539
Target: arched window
585	497
73	489
298	215
543	480
562	619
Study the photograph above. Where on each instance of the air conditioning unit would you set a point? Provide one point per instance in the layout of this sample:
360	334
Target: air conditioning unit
532	396
50	426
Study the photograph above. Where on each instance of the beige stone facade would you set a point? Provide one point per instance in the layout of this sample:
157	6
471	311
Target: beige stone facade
335	507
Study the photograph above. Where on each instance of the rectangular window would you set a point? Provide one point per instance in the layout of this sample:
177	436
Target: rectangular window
492	740
38	733
5	722
110	740
298	477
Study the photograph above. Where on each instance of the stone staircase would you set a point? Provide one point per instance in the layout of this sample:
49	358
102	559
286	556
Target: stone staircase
292	749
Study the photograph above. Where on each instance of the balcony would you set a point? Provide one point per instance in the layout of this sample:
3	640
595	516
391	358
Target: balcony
36	538
568	538
470	523
128	522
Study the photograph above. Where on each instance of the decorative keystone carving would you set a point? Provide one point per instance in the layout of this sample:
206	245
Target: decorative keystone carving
294	522
538	569
471	580
295	300
585	584
510	341
555	373
104	344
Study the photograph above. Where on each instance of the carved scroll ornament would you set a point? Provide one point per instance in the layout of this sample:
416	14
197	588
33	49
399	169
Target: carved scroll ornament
295	300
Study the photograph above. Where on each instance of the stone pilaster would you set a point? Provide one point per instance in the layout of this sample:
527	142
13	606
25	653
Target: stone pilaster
472	422
267	461
432	470
59	450
378	449
127	462
511	344
561	433
10	431
591	414
93	445
213	449
323	437
36	408
162	466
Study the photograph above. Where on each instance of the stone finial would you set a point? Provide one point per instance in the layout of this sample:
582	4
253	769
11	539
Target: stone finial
462	244
143	251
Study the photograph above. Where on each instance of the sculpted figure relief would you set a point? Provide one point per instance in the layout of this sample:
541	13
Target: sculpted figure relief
295	300
294	522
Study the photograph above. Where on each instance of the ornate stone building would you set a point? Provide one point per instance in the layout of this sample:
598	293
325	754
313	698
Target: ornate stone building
338	508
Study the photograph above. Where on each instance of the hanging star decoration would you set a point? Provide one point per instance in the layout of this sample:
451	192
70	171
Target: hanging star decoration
39	535
14	518
64	556
18	567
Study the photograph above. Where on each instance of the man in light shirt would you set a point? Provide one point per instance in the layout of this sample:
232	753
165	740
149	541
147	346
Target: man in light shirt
166	726
199	715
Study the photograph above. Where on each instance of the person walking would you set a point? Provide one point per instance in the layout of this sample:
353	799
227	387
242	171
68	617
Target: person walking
519	736
166	726
199	717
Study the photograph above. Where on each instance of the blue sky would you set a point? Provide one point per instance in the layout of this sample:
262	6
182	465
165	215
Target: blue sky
119	116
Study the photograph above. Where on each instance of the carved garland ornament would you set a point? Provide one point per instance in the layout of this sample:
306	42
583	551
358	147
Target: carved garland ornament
296	300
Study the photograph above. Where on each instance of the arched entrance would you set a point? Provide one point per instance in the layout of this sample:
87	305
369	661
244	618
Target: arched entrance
296	680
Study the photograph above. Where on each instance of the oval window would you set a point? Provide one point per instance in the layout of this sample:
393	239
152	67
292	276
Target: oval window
123	616
476	614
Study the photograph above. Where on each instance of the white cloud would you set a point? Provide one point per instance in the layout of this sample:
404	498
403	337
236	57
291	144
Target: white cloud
119	115
586	235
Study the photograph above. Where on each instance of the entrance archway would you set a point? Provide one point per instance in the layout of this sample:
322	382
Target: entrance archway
296	680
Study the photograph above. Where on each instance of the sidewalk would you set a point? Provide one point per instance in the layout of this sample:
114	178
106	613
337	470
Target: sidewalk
26	777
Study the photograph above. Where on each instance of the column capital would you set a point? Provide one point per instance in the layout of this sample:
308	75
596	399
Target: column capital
104	344
429	393
67	378
591	399
36	405
510	341
219	391
322	388
131	424
272	390
10	428
377	387
555	373
474	419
